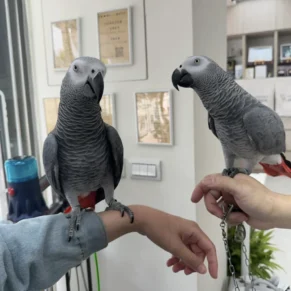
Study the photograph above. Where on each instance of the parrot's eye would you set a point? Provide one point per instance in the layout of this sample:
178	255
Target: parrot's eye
75	68
93	71
196	61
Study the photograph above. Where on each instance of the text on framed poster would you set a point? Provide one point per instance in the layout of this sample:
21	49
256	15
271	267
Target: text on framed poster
114	28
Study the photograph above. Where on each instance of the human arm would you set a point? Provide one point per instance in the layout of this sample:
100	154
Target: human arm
183	238
35	252
261	207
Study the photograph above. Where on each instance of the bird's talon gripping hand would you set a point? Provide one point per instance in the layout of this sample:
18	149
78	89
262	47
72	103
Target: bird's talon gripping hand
75	221
232	172
115	205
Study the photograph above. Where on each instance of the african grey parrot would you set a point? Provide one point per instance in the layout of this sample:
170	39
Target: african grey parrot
249	131
83	155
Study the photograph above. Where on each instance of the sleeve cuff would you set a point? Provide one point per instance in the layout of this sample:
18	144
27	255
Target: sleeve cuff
93	237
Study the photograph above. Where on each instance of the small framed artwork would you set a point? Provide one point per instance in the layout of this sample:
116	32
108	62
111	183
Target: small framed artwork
154	117
115	37
108	113
66	43
260	54
285	51
51	108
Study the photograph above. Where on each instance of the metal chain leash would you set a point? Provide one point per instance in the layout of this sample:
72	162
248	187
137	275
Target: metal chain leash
223	226
240	234
247	262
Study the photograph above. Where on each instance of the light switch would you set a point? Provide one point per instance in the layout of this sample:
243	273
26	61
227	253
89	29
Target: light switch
143	170
152	171
146	169
135	169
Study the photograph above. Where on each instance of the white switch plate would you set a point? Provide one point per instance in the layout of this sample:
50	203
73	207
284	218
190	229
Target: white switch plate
145	169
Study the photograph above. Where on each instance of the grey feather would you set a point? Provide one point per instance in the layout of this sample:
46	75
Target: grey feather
266	130
211	125
51	165
116	150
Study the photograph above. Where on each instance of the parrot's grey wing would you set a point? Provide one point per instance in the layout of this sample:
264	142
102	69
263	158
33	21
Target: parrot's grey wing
211	125
51	165
116	148
266	130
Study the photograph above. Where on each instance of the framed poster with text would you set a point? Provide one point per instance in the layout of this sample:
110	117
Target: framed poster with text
115	37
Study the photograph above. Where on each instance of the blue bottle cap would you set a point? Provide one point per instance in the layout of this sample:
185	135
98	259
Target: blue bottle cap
21	169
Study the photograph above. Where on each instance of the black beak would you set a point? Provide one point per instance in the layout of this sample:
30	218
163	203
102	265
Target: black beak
182	78
97	85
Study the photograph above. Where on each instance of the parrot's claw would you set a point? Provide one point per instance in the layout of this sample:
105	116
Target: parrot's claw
115	205
75	221
232	172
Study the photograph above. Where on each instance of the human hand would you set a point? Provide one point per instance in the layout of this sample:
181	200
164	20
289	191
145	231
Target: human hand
183	238
254	199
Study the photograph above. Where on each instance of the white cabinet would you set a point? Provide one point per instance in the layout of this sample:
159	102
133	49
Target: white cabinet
283	14
235	19
258	16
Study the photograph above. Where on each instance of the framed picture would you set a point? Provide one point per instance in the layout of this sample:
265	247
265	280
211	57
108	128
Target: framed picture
260	54
115	37
66	43
107	104
51	107
285	51
154	117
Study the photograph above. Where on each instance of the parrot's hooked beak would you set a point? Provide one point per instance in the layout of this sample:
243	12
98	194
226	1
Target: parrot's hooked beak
96	86
182	78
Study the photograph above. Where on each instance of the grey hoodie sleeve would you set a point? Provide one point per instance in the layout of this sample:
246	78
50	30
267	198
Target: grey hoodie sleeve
35	253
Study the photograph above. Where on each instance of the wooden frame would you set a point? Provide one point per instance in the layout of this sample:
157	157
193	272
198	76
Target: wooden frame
282	58
257	49
51	106
111	100
79	46
151	123
129	36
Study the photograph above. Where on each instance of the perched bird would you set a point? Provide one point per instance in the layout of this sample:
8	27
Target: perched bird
249	131
83	155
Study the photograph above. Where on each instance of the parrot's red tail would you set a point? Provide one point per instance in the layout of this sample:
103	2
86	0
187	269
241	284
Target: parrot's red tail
88	201
282	169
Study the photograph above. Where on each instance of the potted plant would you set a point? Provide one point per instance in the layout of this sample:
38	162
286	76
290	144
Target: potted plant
262	263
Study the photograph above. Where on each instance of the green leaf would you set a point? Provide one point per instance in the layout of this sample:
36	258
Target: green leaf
261	253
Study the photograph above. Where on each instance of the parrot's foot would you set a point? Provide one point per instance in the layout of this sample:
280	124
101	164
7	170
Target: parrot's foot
75	221
232	172
115	205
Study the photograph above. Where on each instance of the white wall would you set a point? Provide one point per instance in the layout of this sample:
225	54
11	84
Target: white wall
132	261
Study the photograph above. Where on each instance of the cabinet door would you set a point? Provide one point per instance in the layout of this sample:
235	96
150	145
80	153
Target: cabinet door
235	19
259	16
283	14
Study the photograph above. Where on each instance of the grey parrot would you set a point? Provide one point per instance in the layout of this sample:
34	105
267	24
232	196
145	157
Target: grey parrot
83	155
249	131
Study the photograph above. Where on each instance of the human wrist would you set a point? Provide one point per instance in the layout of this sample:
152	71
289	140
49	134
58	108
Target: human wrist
141	218
281	212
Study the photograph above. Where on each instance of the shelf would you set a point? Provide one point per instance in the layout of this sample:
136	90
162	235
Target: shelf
238	49
260	63
284	63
